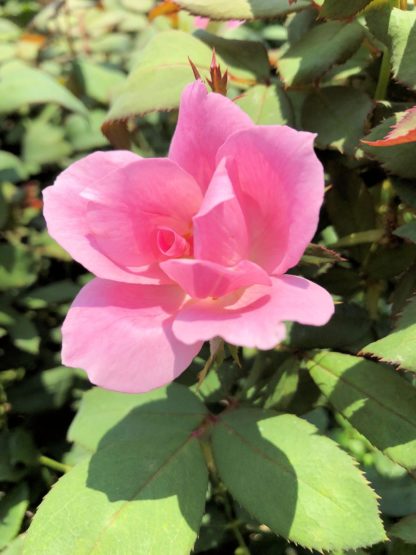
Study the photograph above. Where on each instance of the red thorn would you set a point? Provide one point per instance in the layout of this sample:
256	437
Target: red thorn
196	73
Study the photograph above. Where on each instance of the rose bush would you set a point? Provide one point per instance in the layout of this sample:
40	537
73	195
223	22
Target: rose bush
188	248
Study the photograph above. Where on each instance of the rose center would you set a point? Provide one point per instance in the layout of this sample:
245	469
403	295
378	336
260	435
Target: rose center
171	243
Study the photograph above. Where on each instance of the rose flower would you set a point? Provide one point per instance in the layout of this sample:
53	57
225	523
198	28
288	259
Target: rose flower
190	247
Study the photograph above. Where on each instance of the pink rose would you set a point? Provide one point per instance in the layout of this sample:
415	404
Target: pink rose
203	22
190	247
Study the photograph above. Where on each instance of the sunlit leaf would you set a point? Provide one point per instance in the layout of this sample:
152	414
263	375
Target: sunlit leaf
267	105
378	402
295	481
242	9
144	489
21	85
398	346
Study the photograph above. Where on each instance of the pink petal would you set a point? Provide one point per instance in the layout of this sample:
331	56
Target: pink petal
149	196
220	230
121	335
279	183
65	208
171	243
201	22
105	208
205	122
255	318
202	278
234	23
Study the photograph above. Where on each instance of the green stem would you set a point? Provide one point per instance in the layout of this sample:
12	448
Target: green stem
384	76
385	69
53	465
359	238
254	375
233	524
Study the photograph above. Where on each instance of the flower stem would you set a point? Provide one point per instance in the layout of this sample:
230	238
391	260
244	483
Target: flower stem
234	524
54	465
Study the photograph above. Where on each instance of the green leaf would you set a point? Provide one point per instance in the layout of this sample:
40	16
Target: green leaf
318	255
25	335
348	329
398	159
295	481
351	209
97	81
17	452
85	133
9	31
143	491
44	143
378	402
11	168
15	547
340	9
246	55
377	22
18	266
399	346
405	529
402	31
267	105
101	410
388	261
407	231
283	385
338	115
47	390
12	511
406	191
396	29
403	132
161	73
397	493
310	58
44	297
242	9
21	85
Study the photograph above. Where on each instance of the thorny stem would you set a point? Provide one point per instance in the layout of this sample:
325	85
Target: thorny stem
234	524
54	465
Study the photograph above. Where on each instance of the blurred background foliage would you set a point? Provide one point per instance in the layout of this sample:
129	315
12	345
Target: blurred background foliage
63	68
